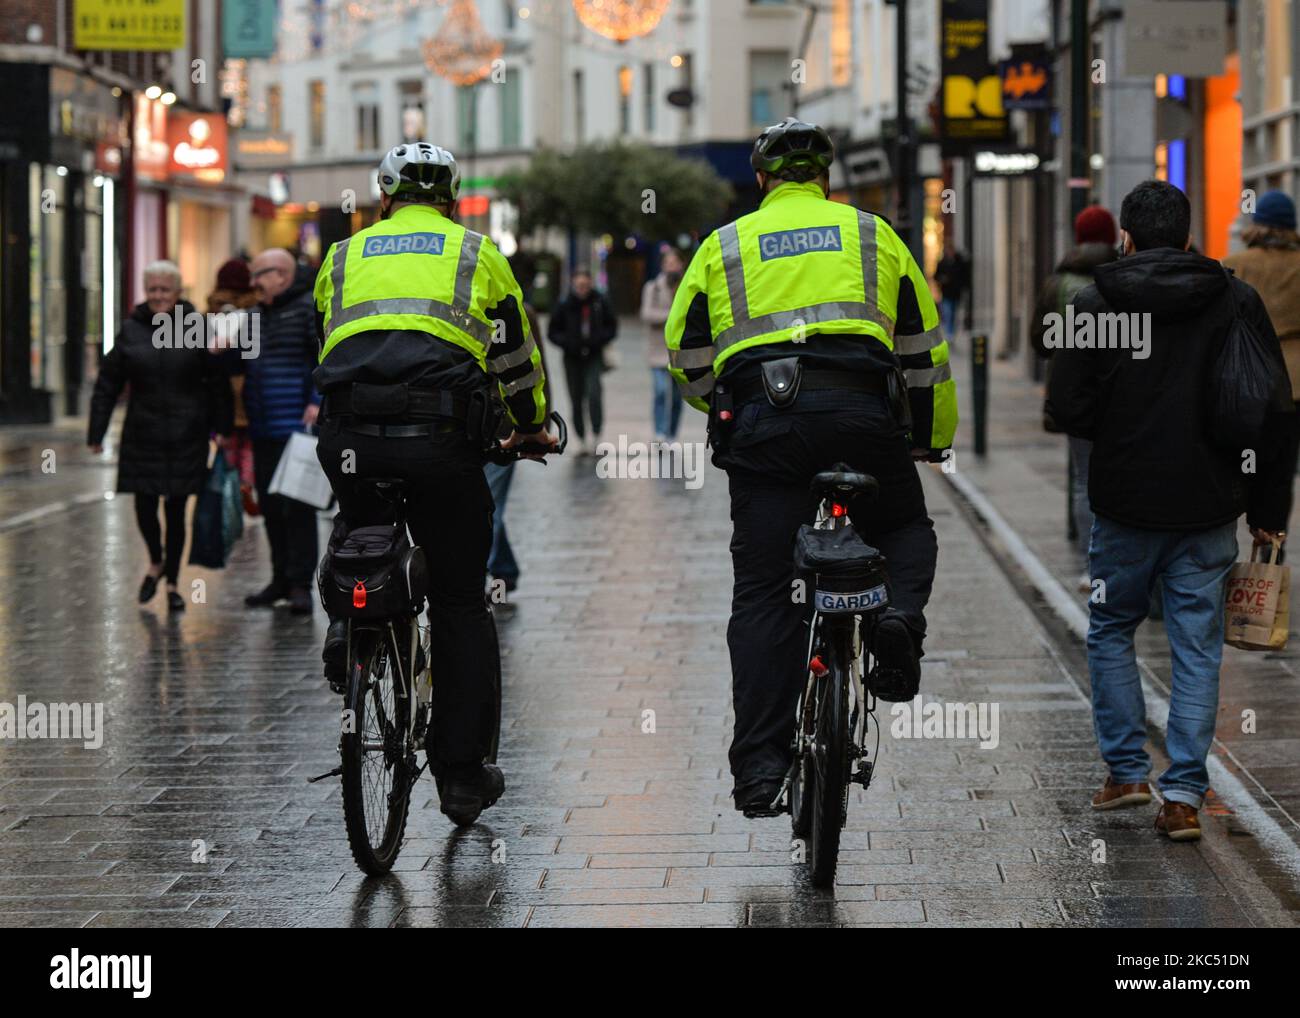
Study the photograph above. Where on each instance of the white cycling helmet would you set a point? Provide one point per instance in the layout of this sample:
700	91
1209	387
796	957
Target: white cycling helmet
418	171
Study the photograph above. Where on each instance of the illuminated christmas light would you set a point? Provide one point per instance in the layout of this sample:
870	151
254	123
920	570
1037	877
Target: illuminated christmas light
620	19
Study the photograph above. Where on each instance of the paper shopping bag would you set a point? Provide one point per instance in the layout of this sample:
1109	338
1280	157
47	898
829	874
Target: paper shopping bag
299	476
1257	608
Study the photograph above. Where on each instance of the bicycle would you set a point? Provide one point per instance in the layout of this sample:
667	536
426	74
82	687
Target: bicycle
831	719
387	701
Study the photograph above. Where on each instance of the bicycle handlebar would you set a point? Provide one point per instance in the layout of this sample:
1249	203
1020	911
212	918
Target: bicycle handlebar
526	449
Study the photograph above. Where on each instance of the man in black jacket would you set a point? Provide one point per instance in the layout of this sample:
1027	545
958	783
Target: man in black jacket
581	326
1165	497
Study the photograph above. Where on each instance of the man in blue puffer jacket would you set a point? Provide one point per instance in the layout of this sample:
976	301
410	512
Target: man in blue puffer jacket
280	399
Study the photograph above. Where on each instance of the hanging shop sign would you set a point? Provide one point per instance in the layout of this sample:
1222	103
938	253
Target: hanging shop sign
155	25
197	144
1187	37
1026	83
150	141
971	111
1004	164
248	28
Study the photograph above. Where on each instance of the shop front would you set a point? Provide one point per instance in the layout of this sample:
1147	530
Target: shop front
61	223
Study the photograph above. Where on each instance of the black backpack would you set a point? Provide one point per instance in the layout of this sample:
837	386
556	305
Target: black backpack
1247	383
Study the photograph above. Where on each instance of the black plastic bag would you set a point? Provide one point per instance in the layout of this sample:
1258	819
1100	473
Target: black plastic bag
1247	383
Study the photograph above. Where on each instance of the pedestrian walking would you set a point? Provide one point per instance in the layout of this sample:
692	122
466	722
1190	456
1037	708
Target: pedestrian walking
279	399
1165	496
502	564
1094	245
179	396
582	326
230	302
1271	264
656	301
953	276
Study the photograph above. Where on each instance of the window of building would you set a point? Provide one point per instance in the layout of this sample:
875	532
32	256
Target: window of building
579	108
688	83
841	42
411	95
274	109
467	117
624	99
769	78
511	111
648	96
316	114
365	99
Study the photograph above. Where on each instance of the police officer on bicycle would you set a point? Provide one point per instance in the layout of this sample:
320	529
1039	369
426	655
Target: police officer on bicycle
418	316
807	332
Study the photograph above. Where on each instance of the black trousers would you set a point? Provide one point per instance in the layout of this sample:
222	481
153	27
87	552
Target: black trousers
449	515
770	456
290	524
583	377
146	517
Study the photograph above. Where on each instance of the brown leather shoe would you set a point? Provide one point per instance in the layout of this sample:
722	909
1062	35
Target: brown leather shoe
1113	796
1178	821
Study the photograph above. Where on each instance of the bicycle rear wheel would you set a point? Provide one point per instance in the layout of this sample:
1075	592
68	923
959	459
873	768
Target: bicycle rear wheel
830	760
378	764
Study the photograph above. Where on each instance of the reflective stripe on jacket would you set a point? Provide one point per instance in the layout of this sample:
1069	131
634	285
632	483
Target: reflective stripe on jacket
803	266
420	271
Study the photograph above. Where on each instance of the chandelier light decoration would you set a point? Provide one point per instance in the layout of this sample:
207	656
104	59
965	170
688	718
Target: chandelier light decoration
461	50
620	19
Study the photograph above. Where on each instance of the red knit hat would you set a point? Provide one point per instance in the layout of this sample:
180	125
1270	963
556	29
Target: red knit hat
1094	225
233	275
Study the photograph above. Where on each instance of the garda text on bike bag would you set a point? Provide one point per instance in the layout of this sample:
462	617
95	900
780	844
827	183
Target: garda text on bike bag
372	572
849	575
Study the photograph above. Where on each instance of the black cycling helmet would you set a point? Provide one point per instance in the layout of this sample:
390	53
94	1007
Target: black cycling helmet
793	150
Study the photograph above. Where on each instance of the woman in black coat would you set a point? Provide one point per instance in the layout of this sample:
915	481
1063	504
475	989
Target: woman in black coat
179	395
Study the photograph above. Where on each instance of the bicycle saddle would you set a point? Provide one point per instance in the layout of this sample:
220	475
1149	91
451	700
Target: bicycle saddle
841	480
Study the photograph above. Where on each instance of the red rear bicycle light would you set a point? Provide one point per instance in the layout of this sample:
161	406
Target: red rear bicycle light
359	595
816	667
724	415
838	510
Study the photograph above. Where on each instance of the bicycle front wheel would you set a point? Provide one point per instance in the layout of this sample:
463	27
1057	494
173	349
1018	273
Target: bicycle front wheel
830	760
378	764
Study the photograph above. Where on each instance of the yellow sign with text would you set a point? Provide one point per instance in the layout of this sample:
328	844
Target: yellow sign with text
128	24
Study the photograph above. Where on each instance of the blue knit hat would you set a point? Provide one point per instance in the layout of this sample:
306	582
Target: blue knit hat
1275	208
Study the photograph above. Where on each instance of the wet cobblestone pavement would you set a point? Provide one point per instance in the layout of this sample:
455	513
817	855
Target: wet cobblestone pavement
213	721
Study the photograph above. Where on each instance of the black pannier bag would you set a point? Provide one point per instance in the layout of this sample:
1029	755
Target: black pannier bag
848	574
371	573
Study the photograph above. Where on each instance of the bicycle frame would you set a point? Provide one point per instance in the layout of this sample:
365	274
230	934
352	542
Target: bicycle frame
832	515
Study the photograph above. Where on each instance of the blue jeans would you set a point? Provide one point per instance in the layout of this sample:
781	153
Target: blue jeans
667	403
948	309
1080	455
501	561
1193	568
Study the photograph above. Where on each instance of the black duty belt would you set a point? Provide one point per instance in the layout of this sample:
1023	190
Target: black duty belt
744	389
381	404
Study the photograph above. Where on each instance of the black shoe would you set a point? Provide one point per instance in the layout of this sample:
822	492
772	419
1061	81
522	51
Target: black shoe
148	587
756	800
300	601
175	603
335	656
897	674
465	792
265	597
